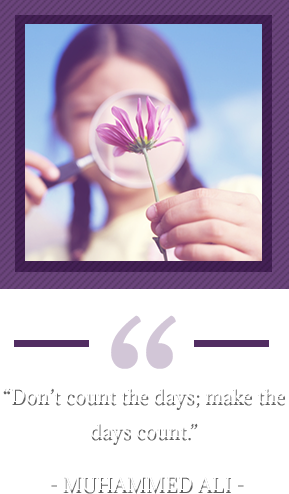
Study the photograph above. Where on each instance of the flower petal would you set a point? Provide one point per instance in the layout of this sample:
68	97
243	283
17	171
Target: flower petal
170	139
118	124
112	134
107	136
123	137
164	113
162	128
123	117
152	113
162	119
118	151
139	120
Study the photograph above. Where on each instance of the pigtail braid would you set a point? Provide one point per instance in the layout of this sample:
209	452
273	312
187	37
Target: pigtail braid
79	227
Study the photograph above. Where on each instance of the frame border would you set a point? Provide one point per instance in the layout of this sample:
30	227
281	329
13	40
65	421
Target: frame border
144	266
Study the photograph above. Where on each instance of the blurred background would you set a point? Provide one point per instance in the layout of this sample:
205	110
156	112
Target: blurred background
223	68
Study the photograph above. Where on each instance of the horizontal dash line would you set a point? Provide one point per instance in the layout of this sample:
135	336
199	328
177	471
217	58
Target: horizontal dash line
51	343
231	343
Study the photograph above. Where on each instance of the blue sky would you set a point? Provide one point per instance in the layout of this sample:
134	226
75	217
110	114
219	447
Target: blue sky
223	68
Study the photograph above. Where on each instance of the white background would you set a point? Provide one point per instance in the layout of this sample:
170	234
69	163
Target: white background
42	445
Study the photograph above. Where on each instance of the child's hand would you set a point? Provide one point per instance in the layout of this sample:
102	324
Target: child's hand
209	225
34	186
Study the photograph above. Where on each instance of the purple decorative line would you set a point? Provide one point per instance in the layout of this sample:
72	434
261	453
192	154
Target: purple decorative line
51	343
231	343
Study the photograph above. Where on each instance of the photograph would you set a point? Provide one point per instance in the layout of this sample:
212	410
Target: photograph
143	142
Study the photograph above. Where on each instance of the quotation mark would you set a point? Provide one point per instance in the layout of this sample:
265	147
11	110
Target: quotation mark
5	389
7	392
125	355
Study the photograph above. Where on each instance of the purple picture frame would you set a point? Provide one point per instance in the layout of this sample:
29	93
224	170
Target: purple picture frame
16	273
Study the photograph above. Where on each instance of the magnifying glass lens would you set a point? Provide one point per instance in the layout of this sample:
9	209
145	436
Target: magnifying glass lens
130	168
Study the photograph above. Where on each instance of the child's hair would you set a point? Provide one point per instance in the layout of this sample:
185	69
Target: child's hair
96	43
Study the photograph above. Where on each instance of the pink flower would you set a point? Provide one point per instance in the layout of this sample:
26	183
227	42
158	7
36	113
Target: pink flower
123	137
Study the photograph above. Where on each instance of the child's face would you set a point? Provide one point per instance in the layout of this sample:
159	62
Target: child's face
114	75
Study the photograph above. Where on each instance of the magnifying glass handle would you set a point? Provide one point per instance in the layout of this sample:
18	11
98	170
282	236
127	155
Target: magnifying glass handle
69	170
66	171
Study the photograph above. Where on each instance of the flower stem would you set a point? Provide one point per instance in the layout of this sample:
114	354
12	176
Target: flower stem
156	194
151	175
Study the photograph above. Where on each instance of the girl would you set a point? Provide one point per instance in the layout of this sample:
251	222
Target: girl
201	224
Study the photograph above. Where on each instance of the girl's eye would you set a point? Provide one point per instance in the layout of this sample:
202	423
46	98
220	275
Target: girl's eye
83	115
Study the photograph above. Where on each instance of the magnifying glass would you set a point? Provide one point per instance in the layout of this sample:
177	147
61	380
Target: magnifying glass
130	169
